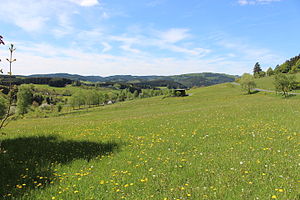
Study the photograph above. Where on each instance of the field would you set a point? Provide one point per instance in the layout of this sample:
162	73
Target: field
215	144
268	83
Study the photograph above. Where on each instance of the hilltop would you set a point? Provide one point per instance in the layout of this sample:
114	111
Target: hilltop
188	80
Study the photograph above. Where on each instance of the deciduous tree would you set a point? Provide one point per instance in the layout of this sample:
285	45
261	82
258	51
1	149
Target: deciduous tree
270	71
284	83
247	82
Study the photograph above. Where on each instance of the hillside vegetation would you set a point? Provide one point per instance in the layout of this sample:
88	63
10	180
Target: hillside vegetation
215	144
292	65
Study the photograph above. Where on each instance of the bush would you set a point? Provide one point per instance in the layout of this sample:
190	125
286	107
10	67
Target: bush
59	107
45	107
24	99
3	107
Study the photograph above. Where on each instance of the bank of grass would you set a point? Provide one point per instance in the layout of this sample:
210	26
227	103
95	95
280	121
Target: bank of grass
268	83
215	144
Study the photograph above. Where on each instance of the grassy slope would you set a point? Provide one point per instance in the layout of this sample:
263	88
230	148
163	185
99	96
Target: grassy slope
215	144
268	82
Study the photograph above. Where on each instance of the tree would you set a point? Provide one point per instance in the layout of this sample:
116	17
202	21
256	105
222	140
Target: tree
122	95
11	91
1	40
287	66
113	96
256	69
24	99
270	71
100	98
57	82
260	74
284	83
105	98
88	100
247	82
296	67
135	94
77	99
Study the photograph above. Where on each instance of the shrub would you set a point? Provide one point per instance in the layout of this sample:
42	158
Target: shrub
59	107
3	107
24	97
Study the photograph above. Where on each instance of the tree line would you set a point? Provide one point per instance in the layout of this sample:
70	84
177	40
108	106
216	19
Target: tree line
5	80
291	66
96	98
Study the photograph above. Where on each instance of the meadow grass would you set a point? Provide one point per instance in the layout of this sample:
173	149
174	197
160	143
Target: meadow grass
217	143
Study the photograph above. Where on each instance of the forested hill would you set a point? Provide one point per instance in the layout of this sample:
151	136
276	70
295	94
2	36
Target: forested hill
290	66
188	80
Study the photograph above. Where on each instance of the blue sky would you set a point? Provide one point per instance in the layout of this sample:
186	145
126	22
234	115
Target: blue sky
148	37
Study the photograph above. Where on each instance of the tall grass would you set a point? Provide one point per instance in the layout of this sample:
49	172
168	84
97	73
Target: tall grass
215	144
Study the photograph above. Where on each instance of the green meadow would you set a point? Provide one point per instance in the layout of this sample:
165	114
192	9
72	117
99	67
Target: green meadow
217	143
268	82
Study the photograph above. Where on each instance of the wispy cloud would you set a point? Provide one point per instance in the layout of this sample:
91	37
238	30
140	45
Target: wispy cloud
55	59
169	40
86	3
35	15
154	3
106	47
250	53
32	18
254	2
174	35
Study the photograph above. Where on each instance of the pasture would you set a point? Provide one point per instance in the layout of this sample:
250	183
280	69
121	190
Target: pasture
216	143
268	83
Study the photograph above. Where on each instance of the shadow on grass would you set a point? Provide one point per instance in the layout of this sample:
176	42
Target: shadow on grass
289	96
254	92
29	162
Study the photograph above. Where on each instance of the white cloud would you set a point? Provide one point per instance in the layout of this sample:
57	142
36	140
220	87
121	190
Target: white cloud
39	15
128	48
174	35
86	3
65	26
166	40
44	58
107	47
30	15
127	43
250	54
254	2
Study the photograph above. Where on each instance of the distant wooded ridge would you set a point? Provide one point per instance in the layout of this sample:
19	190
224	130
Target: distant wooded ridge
187	80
